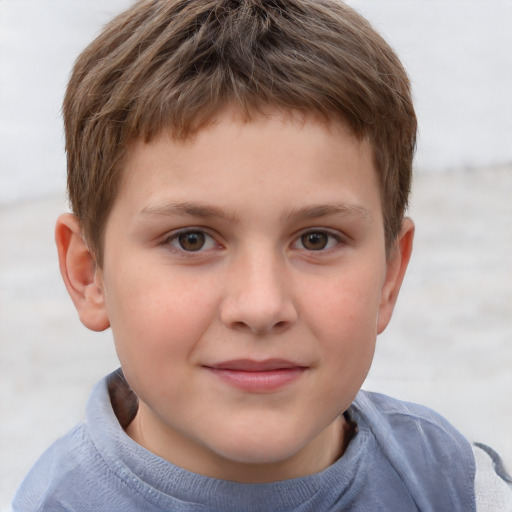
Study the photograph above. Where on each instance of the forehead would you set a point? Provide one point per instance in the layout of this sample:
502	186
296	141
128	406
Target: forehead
233	157
233	117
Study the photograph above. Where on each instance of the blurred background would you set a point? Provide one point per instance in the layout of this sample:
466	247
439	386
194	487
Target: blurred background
450	343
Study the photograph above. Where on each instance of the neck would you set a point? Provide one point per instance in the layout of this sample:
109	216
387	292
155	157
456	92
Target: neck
316	456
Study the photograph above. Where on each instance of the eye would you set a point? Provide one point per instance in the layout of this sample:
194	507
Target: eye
191	241
316	241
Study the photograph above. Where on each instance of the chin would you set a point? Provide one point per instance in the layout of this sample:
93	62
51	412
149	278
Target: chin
260	450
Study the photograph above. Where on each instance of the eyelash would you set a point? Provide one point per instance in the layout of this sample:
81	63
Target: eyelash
332	240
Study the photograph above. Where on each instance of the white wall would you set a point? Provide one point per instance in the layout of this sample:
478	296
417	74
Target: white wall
459	56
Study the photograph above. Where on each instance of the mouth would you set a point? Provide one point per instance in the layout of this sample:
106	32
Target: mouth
257	376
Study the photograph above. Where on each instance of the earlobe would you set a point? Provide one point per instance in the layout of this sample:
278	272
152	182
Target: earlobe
82	277
395	272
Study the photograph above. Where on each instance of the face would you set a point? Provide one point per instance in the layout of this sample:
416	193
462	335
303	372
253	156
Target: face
245	280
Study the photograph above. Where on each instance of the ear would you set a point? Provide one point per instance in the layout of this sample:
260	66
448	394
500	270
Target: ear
398	259
81	275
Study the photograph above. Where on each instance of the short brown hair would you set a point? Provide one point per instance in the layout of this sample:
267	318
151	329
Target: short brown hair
174	64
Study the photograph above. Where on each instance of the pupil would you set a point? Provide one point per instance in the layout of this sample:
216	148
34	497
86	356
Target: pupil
314	241
192	241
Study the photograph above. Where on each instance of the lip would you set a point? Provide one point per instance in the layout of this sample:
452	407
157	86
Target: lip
257	376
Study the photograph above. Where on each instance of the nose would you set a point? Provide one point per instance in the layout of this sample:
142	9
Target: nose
259	298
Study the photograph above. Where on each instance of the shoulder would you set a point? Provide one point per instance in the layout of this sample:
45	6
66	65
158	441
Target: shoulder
493	486
85	470
386	413
406	429
62	466
394	407
72	471
432	458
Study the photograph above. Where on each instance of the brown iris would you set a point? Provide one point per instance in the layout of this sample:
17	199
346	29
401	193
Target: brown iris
314	240
191	240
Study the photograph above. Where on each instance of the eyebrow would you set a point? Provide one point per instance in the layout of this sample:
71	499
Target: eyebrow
208	211
187	209
324	210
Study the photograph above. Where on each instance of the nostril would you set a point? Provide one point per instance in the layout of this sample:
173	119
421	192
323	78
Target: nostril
243	326
240	325
281	326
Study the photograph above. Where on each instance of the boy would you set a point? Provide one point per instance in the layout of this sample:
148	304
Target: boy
238	173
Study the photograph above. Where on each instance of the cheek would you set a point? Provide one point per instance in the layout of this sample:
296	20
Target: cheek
343	318
155	317
345	308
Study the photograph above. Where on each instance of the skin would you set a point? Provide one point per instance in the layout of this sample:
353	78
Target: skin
256	241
